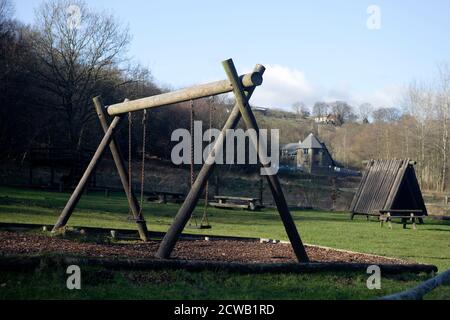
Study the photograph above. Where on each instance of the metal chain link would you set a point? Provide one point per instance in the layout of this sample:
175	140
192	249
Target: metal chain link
205	220
144	147
194	218
130	160
192	144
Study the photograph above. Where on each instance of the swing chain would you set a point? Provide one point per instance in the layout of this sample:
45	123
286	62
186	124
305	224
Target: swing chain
204	223
140	217
192	144
144	147
205	220
130	166
193	217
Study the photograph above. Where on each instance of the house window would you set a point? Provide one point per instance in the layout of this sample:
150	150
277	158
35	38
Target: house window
305	151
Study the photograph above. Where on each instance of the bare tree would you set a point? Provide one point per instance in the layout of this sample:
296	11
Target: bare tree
364	112
301	110
6	11
321	109
388	115
419	102
343	112
16	121
297	107
443	110
77	49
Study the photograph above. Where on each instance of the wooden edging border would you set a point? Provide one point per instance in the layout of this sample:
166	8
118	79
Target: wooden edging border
121	233
354	252
33	262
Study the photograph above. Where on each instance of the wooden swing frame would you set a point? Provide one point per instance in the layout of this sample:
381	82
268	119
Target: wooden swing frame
243	88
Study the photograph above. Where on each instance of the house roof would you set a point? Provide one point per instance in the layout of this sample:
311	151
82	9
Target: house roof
311	142
291	147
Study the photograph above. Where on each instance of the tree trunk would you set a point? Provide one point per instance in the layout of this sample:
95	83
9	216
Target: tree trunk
445	148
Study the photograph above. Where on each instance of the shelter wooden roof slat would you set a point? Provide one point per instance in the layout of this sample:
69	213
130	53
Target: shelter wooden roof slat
388	184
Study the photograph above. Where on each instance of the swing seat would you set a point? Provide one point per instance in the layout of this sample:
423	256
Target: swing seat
199	227
133	220
166	197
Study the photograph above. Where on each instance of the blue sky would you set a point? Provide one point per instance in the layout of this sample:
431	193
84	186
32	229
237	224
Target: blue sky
314	50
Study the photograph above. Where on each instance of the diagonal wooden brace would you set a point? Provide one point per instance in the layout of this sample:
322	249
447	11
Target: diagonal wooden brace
76	195
274	182
123	173
118	159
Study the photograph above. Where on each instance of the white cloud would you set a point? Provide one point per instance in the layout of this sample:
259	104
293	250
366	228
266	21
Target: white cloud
283	86
388	96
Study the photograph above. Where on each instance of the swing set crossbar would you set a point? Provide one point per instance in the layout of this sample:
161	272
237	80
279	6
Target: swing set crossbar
249	80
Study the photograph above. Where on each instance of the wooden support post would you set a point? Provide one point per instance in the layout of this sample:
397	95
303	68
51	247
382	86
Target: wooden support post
381	220
123	173
184	214
30	175
274	183
261	191
52	175
75	198
217	186
413	220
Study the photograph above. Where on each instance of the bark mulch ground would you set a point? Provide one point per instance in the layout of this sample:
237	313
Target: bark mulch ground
12	243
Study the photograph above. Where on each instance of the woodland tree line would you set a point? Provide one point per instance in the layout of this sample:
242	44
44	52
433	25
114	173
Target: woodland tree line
51	70
49	73
417	129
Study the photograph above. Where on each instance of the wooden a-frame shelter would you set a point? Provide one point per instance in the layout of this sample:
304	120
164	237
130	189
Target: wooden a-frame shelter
243	88
389	187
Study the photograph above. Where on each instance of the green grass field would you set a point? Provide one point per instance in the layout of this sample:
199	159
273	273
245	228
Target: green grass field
429	244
